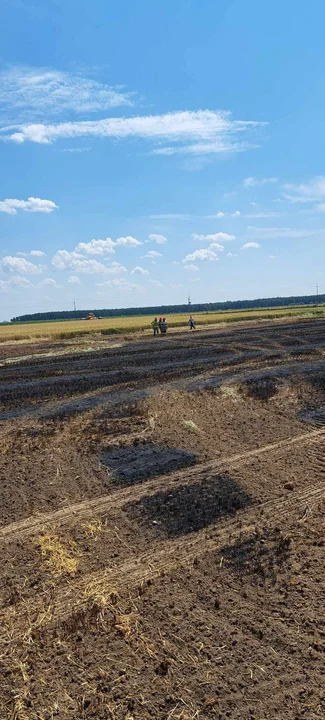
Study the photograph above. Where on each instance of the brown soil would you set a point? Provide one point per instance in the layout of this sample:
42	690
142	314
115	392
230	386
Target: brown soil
161	529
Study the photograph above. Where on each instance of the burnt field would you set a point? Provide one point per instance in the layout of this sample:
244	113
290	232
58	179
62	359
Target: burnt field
162	526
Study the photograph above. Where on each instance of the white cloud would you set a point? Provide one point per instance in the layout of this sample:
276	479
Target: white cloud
15	281
222	215
272	257
262	215
49	282
116	269
40	92
74	280
159	239
152	254
170	216
37	253
33	205
129	241
90	267
216	246
225	145
204	254
231	254
96	247
280	232
157	283
209	131
139	271
216	237
309	192
119	284
190	268
253	181
76	150
20	265
106	247
64	260
251	245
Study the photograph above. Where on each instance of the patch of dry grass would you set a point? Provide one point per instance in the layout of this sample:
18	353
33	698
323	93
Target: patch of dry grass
60	559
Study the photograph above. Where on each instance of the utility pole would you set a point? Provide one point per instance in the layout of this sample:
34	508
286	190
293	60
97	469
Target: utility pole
317	289
74	305
189	302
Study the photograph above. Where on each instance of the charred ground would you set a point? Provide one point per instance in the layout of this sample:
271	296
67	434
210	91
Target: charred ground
161	527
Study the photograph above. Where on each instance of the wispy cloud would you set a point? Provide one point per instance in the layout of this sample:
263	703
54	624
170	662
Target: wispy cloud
32	205
76	150
15	282
215	237
49	282
280	232
249	245
170	216
191	268
34	93
262	214
73	280
257	182
32	253
197	132
312	191
220	215
157	283
152	254
118	284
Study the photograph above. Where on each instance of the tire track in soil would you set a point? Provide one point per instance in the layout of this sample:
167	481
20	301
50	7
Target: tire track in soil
95	588
117	498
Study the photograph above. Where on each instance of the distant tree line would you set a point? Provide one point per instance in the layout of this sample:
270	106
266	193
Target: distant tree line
169	309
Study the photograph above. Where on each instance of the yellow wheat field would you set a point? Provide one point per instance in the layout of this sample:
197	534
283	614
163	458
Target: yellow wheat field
74	328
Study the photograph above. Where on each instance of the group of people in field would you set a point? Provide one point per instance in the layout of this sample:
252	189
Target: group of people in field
161	326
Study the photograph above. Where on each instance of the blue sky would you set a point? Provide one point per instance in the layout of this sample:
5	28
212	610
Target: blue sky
152	150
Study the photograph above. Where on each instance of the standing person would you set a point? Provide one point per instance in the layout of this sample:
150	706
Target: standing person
191	323
164	326
160	324
155	326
